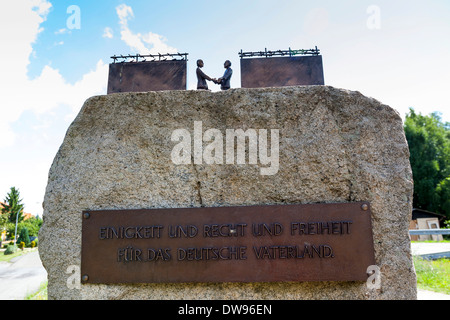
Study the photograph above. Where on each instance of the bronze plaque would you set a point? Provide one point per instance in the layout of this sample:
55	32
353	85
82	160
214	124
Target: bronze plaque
281	71
272	243
147	76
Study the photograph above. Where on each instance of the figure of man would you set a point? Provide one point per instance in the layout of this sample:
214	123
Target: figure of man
225	80
202	77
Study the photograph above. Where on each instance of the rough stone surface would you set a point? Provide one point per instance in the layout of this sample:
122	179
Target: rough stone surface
335	146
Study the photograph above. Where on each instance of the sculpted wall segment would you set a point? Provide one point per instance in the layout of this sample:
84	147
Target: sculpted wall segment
328	145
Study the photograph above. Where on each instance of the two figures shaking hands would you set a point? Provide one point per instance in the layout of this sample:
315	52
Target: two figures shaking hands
224	81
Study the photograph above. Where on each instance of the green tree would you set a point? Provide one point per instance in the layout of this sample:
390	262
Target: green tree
13	205
24	237
442	197
3	221
33	225
429	144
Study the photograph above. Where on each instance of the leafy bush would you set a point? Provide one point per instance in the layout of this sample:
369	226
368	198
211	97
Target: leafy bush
21	245
11	249
33	244
33	225
24	237
447	224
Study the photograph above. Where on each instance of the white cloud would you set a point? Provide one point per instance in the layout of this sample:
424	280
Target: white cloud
20	26
50	89
124	12
42	7
62	31
108	33
27	167
39	98
150	43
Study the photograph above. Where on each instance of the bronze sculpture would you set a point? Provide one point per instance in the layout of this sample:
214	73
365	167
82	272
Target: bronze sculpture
224	81
202	77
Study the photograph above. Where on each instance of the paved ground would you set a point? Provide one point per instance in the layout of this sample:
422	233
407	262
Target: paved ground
419	248
430	295
22	276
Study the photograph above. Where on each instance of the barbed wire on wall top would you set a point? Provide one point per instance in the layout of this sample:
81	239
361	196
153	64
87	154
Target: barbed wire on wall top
280	53
132	58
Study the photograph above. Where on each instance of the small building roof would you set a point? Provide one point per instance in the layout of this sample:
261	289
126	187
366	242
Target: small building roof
420	213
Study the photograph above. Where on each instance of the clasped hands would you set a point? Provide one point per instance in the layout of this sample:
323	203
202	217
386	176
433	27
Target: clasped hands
217	81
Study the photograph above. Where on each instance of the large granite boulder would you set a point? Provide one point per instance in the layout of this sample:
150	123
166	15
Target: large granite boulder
335	146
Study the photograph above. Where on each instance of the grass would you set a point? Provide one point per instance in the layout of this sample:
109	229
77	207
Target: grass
41	294
19	252
433	275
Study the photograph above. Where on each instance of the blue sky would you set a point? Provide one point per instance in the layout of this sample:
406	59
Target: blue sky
394	51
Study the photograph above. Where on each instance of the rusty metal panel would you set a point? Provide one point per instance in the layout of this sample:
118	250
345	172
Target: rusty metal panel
147	76
276	243
281	71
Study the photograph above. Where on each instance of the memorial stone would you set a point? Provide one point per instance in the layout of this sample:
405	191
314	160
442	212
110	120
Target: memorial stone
269	193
